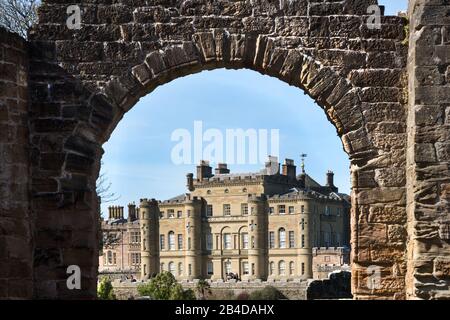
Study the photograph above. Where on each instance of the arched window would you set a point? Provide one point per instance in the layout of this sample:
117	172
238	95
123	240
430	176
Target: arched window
271	267
180	269
109	257
244	190
172	268
291	268
208	192
228	267
162	266
282	238
171	240
282	268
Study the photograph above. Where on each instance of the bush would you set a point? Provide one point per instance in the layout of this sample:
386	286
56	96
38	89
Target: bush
268	293
164	287
105	290
243	296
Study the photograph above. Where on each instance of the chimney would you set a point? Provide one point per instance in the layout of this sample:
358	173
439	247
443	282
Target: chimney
204	170
330	181
289	169
110	213
190	181
272	166
222	168
131	212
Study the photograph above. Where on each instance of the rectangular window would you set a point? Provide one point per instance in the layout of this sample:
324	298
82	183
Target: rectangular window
338	212
226	210
271	239
190	269
291	239
180	242
179	214
209	210
227	241
209	241
189	243
114	258
244	209
282	209
302	209
135	237
303	268
245	241
327	258
161	214
210	268
291	210
171	213
189	213
245	267
271	210
161	242
327	211
303	240
303	224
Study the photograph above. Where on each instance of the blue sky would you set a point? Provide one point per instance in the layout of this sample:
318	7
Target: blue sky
137	157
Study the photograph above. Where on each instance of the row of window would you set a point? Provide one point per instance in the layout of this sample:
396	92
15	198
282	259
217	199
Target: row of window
171	241
281	270
111	258
283	242
226	210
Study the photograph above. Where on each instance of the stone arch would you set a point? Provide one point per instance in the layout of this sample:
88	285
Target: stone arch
83	81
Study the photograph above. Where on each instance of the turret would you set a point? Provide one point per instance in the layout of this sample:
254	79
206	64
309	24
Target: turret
304	251
257	225
193	235
149	216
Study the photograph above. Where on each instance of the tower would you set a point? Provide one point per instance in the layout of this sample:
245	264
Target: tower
149	216
193	225
304	252
257	227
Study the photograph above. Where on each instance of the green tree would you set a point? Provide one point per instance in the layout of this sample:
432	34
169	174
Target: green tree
105	290
268	293
203	289
164	287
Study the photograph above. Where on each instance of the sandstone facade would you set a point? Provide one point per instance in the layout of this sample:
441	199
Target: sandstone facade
82	81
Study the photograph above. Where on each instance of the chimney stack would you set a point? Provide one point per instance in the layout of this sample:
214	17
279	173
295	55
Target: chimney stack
222	168
289	169
190	181
330	181
204	171
131	212
272	166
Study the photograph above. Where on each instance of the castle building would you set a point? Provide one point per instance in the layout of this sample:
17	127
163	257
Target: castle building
255	226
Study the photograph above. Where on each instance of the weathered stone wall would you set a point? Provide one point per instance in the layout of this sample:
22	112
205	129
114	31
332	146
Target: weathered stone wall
125	290
429	150
82	81
15	223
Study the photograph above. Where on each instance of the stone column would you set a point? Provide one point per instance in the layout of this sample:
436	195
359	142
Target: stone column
428	152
